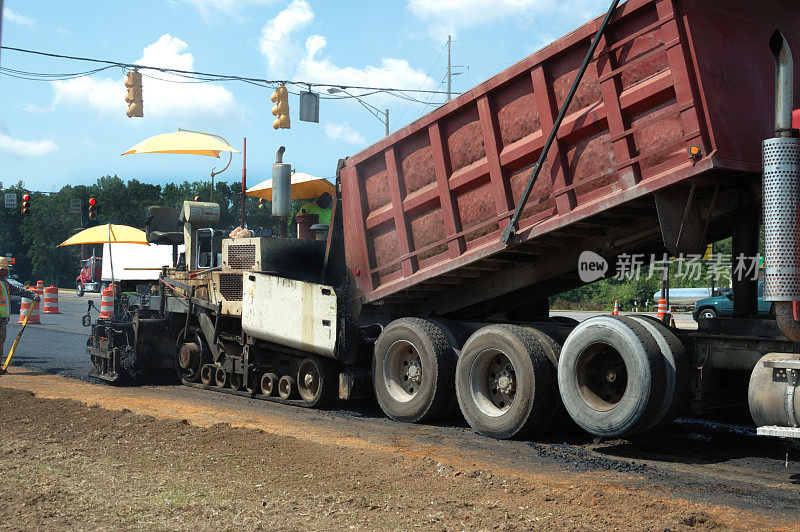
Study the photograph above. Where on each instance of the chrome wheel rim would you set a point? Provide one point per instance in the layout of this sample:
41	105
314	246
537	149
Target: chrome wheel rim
402	371
493	382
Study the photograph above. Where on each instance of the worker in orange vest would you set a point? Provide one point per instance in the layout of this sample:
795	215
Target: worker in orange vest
6	291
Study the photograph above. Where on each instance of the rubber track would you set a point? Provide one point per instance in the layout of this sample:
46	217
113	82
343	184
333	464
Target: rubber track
243	393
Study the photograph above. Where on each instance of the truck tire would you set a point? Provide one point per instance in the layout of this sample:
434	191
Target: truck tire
552	349
611	376
505	382
79	289
413	371
676	371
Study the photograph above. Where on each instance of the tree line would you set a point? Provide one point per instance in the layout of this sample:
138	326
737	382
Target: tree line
32	240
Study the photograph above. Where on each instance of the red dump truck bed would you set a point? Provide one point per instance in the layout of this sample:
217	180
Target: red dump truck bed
424	208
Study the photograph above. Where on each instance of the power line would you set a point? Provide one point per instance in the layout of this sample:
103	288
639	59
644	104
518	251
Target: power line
215	77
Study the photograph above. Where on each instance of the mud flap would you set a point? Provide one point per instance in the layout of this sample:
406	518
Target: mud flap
682	227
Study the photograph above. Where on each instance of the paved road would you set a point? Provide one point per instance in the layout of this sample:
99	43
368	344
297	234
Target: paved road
58	344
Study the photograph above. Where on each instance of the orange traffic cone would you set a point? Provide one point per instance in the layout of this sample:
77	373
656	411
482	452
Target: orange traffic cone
25	305
107	303
662	309
615	312
51	300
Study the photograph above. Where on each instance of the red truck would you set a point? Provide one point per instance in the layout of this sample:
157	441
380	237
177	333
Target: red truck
90	277
442	253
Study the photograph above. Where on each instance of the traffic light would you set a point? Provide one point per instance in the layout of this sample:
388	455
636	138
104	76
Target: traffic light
134	97
25	208
262	204
281	109
197	198
92	209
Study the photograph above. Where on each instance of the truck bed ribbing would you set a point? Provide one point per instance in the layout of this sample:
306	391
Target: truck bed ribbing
425	207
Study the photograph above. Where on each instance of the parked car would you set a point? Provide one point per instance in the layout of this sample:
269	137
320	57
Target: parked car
712	307
16	301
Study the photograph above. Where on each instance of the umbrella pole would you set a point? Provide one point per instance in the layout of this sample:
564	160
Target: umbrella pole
111	260
244	178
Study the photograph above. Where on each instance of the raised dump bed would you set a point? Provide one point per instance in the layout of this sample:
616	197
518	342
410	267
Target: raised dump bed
424	208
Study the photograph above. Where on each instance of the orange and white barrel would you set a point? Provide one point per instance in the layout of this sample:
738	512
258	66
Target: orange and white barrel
40	284
615	312
107	303
25	305
662	308
51	300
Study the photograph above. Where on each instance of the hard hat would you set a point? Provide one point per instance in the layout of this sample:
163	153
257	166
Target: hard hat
4	265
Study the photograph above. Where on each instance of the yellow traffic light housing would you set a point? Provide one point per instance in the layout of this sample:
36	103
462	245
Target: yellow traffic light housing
92	208
281	109
134	97
262	204
25	208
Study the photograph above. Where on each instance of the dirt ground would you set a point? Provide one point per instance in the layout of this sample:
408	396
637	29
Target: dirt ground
65	465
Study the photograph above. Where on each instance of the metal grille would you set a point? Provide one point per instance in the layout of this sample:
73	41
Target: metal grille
241	256
230	286
781	219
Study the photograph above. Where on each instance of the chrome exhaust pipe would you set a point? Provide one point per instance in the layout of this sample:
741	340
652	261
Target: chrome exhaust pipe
781	158
784	77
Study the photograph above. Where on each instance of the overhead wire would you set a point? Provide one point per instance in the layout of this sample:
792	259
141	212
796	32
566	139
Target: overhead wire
215	77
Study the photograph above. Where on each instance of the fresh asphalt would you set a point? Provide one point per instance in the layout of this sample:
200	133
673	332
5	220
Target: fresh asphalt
58	344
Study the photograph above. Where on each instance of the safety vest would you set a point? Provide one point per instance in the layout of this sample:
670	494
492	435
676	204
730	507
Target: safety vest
5	301
313	208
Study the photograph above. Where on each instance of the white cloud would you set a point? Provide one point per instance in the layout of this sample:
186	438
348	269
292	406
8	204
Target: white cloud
26	148
446	17
286	59
231	8
344	133
276	44
391	72
17	18
162	97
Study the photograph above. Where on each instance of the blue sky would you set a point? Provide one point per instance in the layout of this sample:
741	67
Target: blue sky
72	132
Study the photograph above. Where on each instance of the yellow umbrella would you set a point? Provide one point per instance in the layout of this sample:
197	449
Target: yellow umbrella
304	186
187	142
183	141
110	233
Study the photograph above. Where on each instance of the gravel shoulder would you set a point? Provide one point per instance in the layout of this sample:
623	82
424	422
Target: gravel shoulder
68	465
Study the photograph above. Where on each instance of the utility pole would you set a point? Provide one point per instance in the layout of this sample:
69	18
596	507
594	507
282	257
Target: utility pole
449	70
387	123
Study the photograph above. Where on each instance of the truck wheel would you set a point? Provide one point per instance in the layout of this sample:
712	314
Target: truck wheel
551	347
505	382
221	378
207	373
316	382
79	289
676	368
413	371
236	381
611	376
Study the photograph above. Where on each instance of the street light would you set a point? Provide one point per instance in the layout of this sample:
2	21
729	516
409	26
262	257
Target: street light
383	116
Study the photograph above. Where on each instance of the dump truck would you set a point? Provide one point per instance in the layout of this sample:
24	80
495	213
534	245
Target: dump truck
661	127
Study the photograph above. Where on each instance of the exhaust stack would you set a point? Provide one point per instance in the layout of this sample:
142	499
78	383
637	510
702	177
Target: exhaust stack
781	158
281	191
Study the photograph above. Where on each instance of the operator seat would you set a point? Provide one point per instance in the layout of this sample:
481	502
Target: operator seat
162	226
